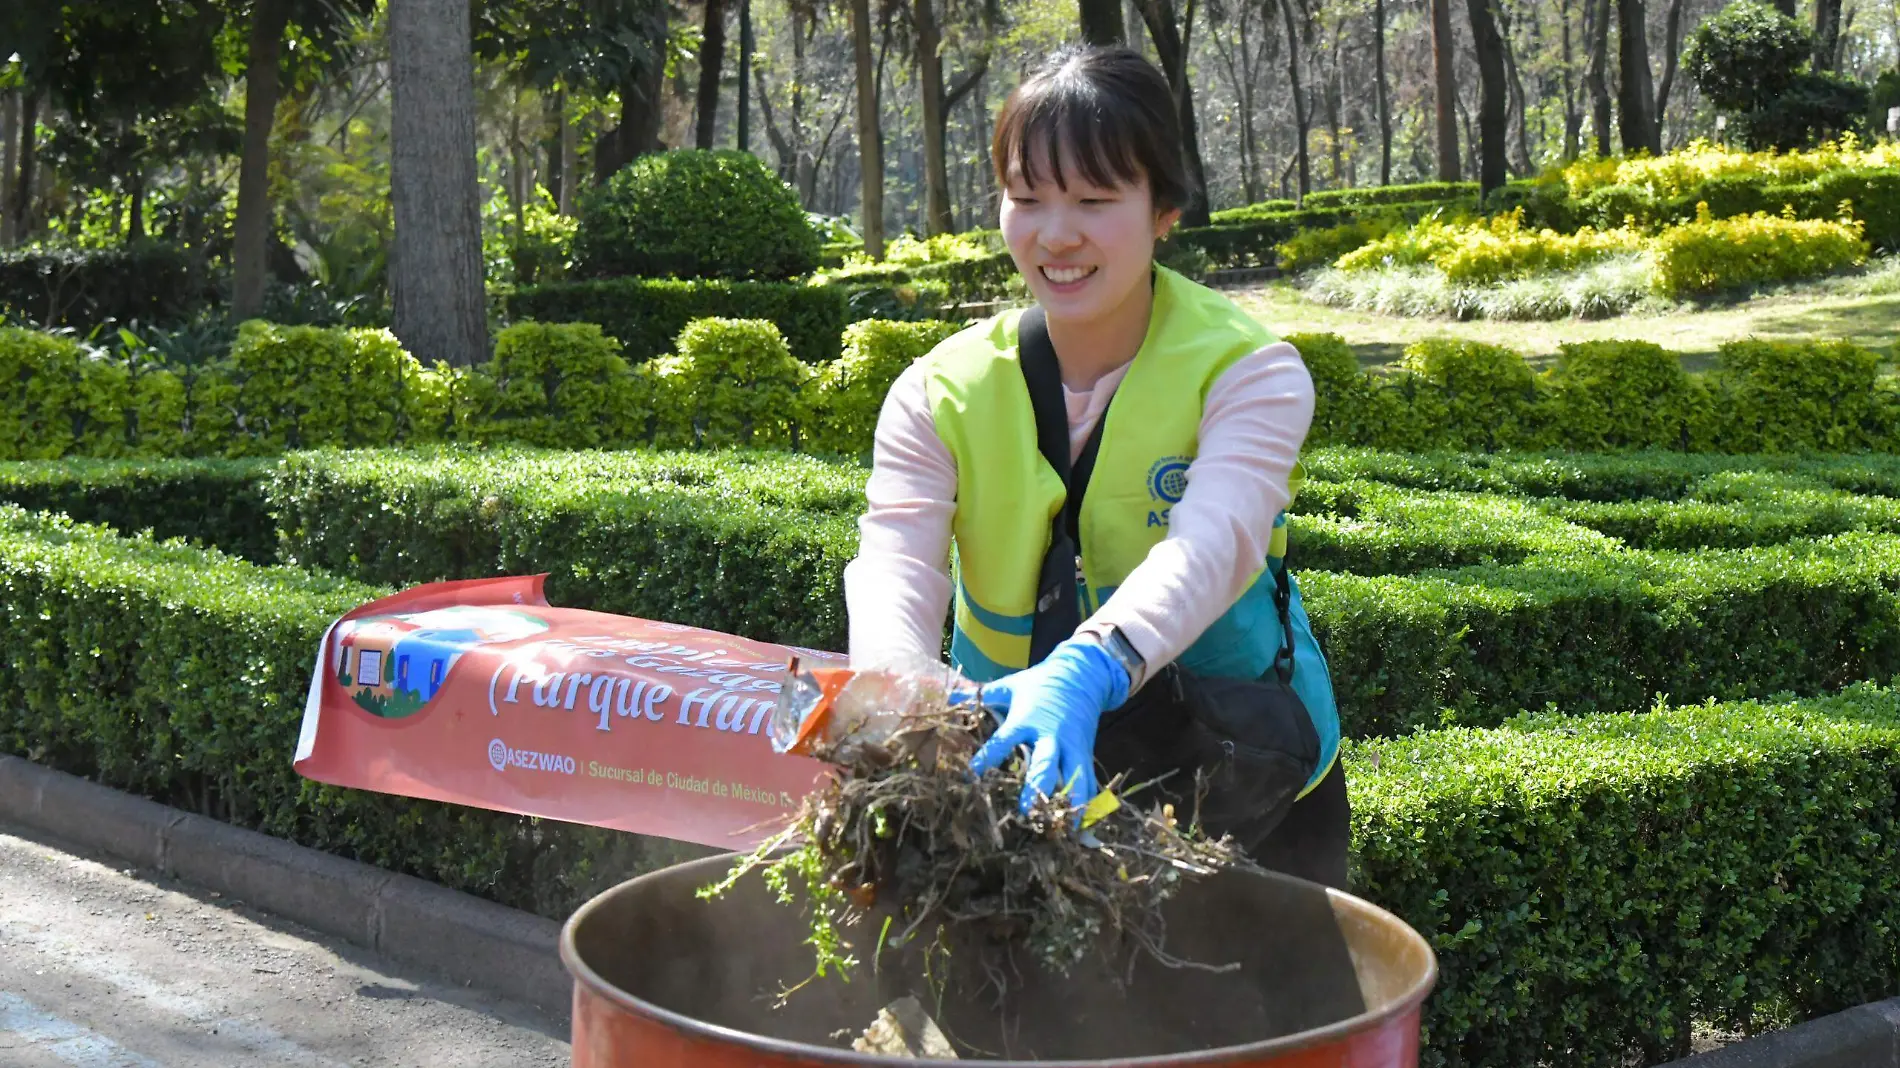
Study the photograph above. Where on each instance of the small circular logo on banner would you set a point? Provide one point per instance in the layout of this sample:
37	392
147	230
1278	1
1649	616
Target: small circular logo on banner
498	754
1168	478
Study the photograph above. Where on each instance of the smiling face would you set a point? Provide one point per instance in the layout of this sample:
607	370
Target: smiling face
1084	248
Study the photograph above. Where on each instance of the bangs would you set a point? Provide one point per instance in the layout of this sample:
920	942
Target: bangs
1067	114
1108	111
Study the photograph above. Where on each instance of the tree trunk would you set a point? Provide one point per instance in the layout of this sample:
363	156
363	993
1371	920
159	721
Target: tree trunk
517	171
1672	47
570	157
1445	89
1102	22
1384	98
1786	7
9	161
1171	47
1636	93
135	207
1827	33
1335	93
1492	112
1573	115
250	247
641	114
1598	18
22	206
746	46
1519	116
937	218
1249	131
435	267
870	139
1302	114
712	61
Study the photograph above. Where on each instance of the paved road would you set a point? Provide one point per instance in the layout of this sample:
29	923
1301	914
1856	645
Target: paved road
107	968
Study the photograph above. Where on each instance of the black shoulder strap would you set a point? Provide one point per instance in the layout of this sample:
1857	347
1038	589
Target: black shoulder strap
1058	597
1043	375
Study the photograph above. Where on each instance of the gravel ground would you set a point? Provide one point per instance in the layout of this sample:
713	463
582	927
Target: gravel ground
102	967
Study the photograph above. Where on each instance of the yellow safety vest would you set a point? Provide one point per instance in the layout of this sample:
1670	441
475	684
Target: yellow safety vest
1008	495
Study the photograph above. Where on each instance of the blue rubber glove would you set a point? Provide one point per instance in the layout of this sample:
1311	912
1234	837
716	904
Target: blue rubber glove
1054	708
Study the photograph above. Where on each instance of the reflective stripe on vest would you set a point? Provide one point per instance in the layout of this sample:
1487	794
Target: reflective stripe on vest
1007	494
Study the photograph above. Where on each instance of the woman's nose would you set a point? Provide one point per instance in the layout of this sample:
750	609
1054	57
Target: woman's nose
1059	232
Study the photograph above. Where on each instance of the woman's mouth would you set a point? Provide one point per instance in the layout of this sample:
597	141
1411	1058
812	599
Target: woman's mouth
1064	277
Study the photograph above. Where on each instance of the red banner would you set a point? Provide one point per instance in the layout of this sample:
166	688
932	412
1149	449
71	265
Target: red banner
480	693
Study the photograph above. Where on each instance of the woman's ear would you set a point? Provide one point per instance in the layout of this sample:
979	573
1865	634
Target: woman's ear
1165	220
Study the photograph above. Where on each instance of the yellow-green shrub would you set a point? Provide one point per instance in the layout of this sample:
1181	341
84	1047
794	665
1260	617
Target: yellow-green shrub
1415	246
1711	255
57	398
1491	250
1787	396
294	387
1342	392
562	385
851	389
734	382
910	251
1502	248
1626	394
1681	171
1476	395
1317	248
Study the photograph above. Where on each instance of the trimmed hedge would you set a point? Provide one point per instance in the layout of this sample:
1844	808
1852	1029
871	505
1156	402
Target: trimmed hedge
298	387
1764	396
959	281
153	283
180	674
851	389
1696	524
215	503
555	385
1247	211
646	314
1600	477
1604	632
1589	629
1251	240
568	384
733	383
1365	528
661	536
1873	191
1593	886
1415	193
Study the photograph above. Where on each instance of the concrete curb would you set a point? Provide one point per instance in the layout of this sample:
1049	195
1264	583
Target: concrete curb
1866	1036
462	938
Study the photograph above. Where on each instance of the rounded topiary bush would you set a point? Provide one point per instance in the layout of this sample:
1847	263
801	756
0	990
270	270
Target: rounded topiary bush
695	214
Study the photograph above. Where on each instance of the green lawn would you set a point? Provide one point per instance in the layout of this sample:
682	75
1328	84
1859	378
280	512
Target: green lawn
1842	308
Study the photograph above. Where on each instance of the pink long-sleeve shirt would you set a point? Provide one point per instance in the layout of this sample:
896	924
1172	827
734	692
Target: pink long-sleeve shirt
898	589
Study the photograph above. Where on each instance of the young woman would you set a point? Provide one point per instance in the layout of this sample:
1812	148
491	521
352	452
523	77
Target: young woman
1112	468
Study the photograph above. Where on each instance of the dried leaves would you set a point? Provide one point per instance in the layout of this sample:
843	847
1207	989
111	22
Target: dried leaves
905	822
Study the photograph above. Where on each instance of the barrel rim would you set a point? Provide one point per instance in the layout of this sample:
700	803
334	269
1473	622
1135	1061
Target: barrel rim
586	977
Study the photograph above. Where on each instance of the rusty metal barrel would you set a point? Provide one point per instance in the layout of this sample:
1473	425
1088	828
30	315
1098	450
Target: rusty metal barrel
1270	970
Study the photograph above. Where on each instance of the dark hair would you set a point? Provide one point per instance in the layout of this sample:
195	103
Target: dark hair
1113	111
